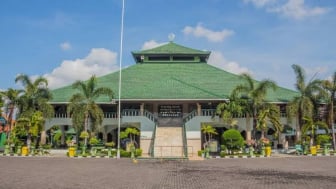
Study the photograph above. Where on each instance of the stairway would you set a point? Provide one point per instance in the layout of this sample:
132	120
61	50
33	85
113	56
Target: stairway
168	142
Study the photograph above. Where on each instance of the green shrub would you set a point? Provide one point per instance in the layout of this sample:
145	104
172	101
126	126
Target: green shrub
222	154
94	141
323	139
233	140
200	152
124	153
46	146
223	147
84	134
138	152
109	144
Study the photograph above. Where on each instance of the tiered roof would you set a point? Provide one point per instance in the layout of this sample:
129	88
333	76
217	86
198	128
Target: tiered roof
171	72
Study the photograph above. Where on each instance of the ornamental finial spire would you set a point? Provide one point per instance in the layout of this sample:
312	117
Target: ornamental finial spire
171	37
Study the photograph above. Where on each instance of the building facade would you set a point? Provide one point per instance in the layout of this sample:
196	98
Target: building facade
168	94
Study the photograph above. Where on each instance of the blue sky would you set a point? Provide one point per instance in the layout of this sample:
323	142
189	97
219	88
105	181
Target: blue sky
67	40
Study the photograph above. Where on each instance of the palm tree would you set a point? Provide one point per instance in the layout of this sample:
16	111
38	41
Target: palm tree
34	97
83	107
11	96
254	95
330	86
227	110
312	126
303	104
269	113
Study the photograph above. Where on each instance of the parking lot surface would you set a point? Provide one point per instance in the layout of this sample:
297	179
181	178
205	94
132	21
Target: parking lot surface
100	173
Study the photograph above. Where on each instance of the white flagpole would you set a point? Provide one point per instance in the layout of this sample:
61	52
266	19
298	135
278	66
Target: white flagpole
120	60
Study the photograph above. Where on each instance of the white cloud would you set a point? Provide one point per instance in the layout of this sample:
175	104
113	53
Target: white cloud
65	46
213	36
150	44
218	60
259	3
99	62
298	10
315	72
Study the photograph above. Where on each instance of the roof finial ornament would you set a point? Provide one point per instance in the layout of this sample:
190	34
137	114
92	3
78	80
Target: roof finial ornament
171	37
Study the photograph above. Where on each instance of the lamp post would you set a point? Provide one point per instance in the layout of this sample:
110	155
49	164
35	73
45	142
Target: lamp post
120	60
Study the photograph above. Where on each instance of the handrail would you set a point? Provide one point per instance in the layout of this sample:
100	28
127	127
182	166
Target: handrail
185	142
149	115
61	115
110	115
151	147
190	116
131	112
208	112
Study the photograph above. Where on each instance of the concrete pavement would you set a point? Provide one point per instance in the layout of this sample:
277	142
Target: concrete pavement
101	173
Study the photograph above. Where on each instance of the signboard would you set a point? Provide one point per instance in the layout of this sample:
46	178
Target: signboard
170	111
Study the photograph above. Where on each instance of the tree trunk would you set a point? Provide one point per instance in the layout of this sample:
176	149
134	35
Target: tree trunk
62	136
86	128
262	134
10	120
248	128
43	137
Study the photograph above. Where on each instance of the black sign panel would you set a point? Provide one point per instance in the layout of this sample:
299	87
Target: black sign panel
170	111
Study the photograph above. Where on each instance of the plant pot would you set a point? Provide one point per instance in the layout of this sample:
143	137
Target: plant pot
72	152
268	151
313	150
24	151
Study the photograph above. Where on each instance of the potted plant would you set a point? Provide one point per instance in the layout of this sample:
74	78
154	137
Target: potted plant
71	148
266	144
324	140
84	136
93	143
7	147
109	146
19	145
250	144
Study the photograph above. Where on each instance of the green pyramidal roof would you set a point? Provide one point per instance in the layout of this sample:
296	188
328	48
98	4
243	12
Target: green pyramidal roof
172	80
171	48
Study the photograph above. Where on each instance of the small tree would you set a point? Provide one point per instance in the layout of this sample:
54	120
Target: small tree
311	126
131	133
208	132
233	140
30	127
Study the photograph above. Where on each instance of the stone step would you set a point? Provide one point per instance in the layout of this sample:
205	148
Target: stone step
168	142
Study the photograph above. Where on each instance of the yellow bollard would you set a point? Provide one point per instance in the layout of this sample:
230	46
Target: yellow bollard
313	150
24	151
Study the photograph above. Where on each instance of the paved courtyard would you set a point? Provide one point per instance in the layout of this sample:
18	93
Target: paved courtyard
62	172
